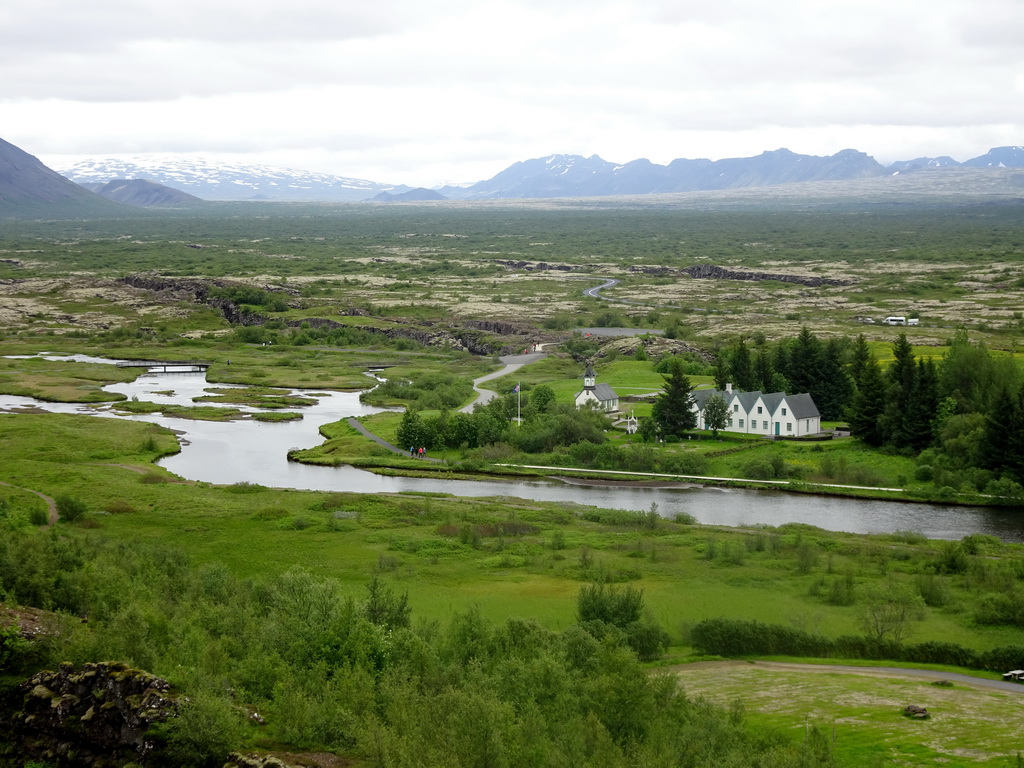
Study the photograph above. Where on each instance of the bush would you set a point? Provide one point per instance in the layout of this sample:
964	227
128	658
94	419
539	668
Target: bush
70	509
118	507
207	728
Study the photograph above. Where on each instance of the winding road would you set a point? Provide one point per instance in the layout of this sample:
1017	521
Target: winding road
512	363
594	292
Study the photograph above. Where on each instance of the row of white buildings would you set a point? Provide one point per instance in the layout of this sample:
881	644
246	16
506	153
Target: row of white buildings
755	413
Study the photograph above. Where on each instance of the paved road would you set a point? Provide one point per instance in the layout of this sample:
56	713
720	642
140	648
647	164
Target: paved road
512	363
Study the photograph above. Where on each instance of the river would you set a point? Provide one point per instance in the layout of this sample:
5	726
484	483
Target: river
252	451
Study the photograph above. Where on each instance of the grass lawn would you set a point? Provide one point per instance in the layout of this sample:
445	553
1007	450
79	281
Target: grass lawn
863	713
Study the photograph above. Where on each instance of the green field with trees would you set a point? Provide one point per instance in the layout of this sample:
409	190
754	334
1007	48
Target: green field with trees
425	629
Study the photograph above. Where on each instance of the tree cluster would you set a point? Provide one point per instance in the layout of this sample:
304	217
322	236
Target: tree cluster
354	674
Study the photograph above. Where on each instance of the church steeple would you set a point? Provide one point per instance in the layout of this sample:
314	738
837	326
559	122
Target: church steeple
589	377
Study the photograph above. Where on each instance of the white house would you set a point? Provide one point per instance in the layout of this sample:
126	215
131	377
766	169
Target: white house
755	413
601	395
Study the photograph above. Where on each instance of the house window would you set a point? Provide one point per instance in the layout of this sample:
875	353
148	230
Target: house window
789	426
735	408
741	422
730	422
783	411
759	409
765	423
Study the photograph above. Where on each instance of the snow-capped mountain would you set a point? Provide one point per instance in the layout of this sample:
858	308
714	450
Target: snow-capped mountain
218	180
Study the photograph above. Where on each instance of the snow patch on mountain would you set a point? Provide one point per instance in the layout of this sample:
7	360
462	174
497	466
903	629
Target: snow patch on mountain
212	179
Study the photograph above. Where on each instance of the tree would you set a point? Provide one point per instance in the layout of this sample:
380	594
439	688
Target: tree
716	413
866	411
764	371
902	378
411	431
834	390
888	610
859	359
806	364
543	397
673	408
742	368
383	607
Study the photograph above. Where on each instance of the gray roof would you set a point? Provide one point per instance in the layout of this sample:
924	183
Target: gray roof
605	393
747	399
773	401
802	406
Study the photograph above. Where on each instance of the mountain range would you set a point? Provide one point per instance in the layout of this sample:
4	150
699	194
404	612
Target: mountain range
545	177
216	180
28	187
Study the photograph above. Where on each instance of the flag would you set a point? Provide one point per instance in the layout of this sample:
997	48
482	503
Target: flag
516	390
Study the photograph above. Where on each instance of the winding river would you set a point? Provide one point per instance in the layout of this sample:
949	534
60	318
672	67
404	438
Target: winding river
251	451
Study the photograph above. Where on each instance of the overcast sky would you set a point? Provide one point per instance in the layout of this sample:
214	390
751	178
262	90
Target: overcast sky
427	91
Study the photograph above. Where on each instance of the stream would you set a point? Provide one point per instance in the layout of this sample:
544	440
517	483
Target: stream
245	450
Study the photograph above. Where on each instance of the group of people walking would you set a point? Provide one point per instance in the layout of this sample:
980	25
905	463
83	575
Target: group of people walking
417	453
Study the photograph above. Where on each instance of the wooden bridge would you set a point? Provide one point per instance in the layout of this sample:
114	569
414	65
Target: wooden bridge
165	366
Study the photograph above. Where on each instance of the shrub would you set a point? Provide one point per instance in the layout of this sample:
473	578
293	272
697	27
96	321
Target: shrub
119	507
70	509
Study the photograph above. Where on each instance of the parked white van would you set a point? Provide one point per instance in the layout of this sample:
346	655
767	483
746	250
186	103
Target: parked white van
895	320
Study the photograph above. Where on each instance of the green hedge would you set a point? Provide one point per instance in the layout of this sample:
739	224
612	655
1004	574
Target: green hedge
736	637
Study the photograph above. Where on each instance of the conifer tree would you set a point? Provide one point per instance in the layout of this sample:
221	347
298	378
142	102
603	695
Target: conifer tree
673	409
764	371
742	368
902	378
866	413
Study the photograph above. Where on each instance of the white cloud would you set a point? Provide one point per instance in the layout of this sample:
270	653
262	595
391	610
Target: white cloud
414	92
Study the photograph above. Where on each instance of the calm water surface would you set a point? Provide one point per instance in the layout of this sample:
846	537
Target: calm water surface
255	452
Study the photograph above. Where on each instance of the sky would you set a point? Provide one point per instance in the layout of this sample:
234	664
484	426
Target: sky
424	92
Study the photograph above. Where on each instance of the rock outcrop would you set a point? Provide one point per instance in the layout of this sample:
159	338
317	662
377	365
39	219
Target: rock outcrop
95	715
714	272
479	337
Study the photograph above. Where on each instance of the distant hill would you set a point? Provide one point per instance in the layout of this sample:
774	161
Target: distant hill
144	194
215	180
419	194
576	176
999	157
29	188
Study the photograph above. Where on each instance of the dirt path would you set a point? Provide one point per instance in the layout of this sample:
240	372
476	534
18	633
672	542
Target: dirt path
380	440
51	505
900	672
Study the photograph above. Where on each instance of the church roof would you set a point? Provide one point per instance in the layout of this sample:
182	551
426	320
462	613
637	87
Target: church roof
605	392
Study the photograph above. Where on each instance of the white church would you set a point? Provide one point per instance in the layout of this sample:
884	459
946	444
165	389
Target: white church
601	396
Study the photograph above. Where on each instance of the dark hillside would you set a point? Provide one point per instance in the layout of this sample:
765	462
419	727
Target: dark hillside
29	188
143	193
